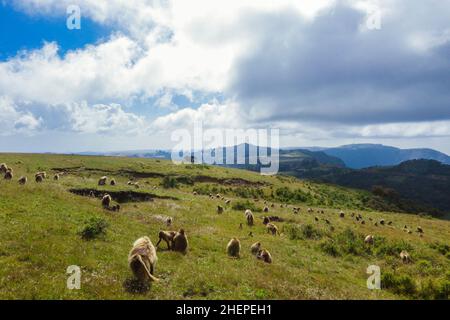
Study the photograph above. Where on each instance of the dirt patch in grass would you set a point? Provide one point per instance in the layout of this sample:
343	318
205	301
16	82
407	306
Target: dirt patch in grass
120	196
122	172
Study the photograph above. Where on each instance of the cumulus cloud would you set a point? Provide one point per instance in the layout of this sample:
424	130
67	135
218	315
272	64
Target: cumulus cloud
14	120
310	67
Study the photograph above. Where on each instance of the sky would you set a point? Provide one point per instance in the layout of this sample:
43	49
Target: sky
323	72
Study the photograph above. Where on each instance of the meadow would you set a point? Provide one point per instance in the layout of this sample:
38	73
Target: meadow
41	227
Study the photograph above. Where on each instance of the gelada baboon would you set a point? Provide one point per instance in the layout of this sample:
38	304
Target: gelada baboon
369	239
180	242
9	174
167	236
266	220
265	256
56	177
112	182
169	221
219	209
102	181
249	217
106	200
255	248
39	178
43	174
23	180
234	248
3	168
404	255
142	259
273	229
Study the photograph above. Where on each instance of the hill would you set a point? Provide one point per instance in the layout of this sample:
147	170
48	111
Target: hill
424	184
44	229
359	156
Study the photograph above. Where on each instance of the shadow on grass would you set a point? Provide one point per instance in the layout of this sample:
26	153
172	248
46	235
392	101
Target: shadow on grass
134	286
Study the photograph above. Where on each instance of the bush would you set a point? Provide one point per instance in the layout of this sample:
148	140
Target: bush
284	194
307	231
391	248
330	248
169	182
439	290
94	228
351	243
399	284
244	205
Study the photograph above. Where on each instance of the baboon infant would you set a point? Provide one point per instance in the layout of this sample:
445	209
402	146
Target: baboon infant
234	248
142	259
180	241
167	236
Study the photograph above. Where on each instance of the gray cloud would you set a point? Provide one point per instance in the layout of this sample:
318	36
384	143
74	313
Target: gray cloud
332	70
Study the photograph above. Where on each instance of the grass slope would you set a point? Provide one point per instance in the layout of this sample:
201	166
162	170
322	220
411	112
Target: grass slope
40	225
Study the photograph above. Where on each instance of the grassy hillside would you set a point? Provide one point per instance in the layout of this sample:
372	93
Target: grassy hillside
40	228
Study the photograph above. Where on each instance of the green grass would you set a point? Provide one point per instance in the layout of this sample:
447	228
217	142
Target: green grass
41	227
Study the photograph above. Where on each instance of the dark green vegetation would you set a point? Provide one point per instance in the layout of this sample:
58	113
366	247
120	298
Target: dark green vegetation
46	227
416	186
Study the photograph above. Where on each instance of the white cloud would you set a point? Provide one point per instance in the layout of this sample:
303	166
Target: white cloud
13	120
237	48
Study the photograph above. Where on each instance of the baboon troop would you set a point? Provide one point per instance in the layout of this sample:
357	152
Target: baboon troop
167	236
234	248
180	242
142	259
102	181
106	201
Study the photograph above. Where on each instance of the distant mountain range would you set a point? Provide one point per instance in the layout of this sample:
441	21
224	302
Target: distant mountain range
358	156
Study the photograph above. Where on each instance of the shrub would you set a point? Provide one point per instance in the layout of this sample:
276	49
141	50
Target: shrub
399	284
439	290
330	248
391	248
244	205
306	231
94	228
284	194
351	243
169	182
